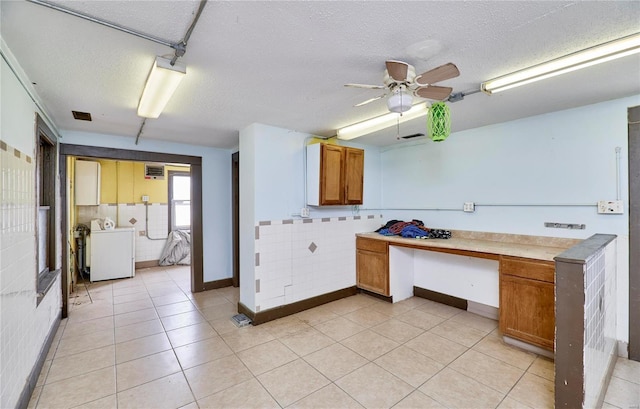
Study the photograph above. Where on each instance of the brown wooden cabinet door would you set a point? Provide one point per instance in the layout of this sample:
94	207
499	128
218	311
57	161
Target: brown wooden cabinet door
331	175
372	271
527	310
354	179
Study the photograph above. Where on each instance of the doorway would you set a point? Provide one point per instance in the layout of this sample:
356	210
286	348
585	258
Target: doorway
195	163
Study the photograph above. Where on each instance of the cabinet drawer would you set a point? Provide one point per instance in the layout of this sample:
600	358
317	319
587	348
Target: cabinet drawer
530	269
377	246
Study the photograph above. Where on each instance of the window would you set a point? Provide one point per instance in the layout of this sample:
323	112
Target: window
180	200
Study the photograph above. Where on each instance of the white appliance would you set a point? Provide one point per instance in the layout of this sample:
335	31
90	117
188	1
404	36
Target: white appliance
112	253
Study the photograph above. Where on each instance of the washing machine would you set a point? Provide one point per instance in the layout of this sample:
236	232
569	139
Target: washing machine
112	253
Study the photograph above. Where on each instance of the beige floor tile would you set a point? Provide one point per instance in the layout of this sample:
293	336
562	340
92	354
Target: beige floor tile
416	400
455	390
316	315
182	320
292	382
215	376
137	348
339	328
437	348
347	305
373	387
622	393
43	373
108	402
121	299
133	289
414	369
420	319
92	311
82	343
156	277
246	395
510	403
226	310
285	326
494	346
391	309
439	309
134	317
193	333
172	298
307	341
487	370
464	335
412	302
627	370
367	317
168	289
606	405
78	364
534	391
35	396
476	321
397	330
192	405
79	389
369	344
174	309
132	306
169	392
328	397
335	361
76	329
246	338
208	299
543	367
138	330
198	353
142	370
267	356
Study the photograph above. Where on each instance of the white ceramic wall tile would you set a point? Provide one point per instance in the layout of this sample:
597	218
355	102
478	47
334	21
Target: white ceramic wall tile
300	260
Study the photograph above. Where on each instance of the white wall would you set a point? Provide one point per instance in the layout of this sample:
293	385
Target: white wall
535	165
24	326
216	192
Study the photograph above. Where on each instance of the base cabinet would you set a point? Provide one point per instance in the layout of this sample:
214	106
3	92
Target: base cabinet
372	266
527	301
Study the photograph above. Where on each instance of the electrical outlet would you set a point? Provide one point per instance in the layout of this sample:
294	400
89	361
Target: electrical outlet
610	207
145	198
304	212
469	207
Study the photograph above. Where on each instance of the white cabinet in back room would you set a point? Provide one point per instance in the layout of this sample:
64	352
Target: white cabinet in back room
87	183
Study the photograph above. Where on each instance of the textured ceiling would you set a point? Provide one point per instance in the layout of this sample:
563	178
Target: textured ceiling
285	63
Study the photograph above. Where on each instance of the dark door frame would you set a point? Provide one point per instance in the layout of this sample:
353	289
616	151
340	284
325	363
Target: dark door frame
235	206
197	273
633	115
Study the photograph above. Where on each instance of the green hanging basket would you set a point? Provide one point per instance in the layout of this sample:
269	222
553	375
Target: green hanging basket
439	121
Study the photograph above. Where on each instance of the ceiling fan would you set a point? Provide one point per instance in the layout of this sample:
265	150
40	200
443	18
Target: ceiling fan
402	83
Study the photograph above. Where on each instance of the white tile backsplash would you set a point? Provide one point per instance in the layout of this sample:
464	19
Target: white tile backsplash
289	271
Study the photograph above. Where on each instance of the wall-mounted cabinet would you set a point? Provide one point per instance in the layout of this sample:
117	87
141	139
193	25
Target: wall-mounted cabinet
87	183
335	175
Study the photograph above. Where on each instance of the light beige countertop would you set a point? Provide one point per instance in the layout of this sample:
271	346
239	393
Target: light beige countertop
488	245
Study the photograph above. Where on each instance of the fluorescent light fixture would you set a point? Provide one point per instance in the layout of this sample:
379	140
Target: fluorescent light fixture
380	122
591	56
162	82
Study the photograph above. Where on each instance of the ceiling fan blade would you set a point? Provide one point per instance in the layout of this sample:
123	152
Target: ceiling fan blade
441	73
370	100
367	86
433	92
397	70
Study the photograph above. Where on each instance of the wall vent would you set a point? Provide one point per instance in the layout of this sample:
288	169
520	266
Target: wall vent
414	135
153	171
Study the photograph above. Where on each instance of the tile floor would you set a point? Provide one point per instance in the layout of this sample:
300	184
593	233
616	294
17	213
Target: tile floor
147	342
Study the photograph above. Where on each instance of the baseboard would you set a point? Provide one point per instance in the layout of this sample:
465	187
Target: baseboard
212	285
147	264
483	310
623	349
441	298
261	317
30	385
613	357
528	347
376	295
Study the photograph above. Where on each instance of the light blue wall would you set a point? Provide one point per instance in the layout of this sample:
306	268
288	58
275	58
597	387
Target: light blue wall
216	192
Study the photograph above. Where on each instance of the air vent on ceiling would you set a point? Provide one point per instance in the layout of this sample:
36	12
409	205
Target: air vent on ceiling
81	116
413	135
153	171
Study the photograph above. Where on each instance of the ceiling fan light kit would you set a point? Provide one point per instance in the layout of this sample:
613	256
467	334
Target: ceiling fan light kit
399	102
591	56
162	82
380	122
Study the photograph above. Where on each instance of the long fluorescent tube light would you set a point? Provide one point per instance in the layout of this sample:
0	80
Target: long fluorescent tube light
380	122
162	82
581	59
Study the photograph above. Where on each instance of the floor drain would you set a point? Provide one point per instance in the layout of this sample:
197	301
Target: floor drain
241	320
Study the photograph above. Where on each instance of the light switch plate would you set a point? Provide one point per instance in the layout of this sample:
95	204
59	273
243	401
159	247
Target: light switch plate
610	207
